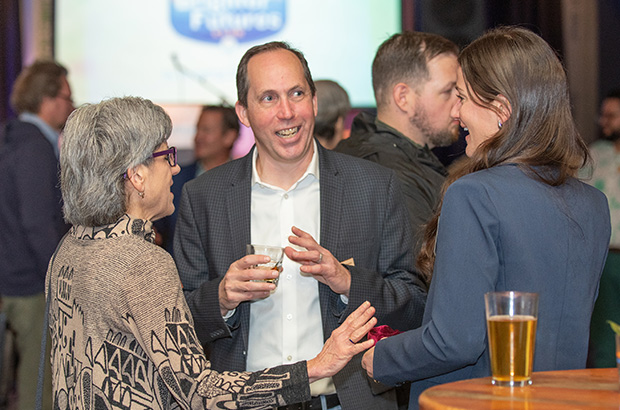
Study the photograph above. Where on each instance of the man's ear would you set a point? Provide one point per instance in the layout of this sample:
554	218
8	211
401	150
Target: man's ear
242	113
503	106
315	104
403	96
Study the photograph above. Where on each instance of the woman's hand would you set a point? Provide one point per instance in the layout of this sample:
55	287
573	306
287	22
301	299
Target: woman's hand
367	362
342	344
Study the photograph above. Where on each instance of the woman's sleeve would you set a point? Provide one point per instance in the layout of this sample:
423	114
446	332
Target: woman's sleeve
453	334
161	322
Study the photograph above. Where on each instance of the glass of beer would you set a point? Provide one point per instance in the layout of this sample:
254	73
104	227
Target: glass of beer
276	254
511	325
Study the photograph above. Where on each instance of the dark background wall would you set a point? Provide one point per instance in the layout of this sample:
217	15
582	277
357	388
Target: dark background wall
609	45
464	20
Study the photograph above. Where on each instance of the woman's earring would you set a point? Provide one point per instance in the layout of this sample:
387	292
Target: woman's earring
141	194
499	124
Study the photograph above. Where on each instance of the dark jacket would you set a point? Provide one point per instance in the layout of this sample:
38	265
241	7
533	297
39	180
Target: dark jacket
165	226
30	208
362	217
420	172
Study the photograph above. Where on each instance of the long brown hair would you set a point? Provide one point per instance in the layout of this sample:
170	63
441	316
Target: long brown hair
540	136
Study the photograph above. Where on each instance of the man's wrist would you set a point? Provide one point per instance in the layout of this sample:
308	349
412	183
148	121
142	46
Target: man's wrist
347	274
228	314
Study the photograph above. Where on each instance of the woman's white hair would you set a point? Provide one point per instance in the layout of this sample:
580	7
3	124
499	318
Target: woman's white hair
100	142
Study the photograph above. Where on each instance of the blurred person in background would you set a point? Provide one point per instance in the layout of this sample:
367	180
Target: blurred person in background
609	119
31	212
333	107
216	132
604	174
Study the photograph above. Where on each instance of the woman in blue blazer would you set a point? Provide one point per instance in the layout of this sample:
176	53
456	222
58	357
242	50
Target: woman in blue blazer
513	217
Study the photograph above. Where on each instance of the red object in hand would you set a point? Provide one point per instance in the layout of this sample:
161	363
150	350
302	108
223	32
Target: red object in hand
380	332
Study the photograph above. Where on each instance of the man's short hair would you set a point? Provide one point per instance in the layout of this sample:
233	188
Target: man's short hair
404	58
229	116
243	83
41	79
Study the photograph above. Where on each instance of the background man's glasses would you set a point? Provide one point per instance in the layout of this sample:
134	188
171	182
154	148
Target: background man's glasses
67	98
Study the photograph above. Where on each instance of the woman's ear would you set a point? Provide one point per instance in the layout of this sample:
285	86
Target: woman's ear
135	176
504	109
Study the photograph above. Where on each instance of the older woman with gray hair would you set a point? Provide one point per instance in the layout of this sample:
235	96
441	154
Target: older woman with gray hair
122	334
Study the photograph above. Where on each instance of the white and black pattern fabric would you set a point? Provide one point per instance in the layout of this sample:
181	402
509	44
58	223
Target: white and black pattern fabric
123	336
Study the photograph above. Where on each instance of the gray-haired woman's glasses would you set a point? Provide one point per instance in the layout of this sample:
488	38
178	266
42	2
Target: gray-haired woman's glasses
170	153
171	157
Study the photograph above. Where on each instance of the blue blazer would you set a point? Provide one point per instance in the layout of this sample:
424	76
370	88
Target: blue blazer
30	208
500	229
363	216
165	226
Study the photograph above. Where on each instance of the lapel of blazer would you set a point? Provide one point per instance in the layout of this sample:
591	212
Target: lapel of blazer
331	216
239	197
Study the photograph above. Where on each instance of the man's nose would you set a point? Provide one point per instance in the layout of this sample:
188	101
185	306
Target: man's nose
285	109
456	108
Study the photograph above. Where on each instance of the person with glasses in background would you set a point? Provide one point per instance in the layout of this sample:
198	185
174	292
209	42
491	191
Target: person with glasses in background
30	211
122	334
217	130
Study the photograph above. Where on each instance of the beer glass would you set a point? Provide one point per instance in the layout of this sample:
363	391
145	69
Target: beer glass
276	254
511	326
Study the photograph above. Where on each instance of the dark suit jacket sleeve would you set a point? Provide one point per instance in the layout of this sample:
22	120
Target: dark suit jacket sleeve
202	296
36	182
421	197
394	289
453	334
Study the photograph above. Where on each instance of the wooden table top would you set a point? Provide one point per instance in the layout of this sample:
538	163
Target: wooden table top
564	389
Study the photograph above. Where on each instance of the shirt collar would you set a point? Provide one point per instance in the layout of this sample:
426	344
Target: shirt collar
50	134
313	169
126	225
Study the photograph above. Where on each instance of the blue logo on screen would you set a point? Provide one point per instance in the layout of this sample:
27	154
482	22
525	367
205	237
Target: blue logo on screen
213	20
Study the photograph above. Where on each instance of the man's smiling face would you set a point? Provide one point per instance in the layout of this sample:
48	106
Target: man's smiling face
280	108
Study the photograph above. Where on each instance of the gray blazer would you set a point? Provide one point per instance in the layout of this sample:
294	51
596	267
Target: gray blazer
362	217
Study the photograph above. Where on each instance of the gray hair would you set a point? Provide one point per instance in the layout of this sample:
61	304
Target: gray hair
333	103
101	142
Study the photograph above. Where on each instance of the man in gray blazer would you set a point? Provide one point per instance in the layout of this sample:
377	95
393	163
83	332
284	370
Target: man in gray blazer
343	223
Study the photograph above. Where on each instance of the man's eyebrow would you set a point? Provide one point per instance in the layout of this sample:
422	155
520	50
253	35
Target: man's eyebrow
297	87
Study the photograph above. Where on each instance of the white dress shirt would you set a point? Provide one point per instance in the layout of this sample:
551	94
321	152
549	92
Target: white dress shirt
286	327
